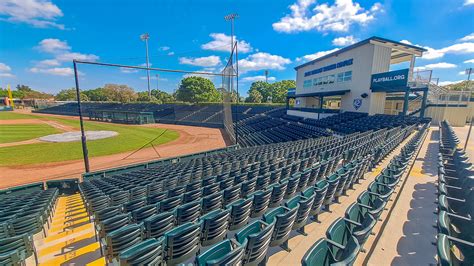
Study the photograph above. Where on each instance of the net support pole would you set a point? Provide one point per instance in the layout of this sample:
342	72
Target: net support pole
85	153
237	89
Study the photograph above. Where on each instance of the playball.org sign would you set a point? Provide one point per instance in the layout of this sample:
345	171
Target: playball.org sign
390	81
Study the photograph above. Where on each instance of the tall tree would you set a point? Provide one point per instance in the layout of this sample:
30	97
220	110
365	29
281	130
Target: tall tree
70	95
197	90
254	97
162	97
120	93
280	90
263	88
96	95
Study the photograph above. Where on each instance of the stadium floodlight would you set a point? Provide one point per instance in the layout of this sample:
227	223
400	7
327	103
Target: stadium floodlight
231	17
145	37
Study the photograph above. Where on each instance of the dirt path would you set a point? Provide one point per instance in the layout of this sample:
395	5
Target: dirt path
191	140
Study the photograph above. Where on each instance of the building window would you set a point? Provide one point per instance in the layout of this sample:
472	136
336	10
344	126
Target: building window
325	80
348	76
331	79
320	81
340	77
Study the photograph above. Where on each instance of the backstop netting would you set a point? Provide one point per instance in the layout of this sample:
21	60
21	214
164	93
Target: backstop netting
229	95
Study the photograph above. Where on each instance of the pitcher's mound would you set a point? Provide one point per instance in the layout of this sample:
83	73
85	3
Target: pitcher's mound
76	136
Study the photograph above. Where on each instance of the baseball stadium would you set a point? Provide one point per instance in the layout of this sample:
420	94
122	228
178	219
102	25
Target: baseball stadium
358	158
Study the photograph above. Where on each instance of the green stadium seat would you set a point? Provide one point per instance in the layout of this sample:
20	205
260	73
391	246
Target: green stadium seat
121	239
303	204
23	244
446	255
278	192
380	190
231	194
319	254
169	204
260	200
148	252
239	213
333	181
360	222
227	252
188	212
10	258
28	224
211	202
372	203
284	219
158	224
112	224
181	243
214	226
342	244
255	237
144	212
319	191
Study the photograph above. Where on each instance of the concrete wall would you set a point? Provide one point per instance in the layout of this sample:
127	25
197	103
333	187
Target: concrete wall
368	59
456	116
307	114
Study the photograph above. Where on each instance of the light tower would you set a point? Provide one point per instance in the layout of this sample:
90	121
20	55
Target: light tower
145	37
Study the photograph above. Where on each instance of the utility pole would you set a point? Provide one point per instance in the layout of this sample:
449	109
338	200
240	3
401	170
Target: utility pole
145	37
266	76
157	80
468	72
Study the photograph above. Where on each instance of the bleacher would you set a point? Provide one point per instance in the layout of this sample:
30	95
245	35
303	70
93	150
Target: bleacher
455	243
258	194
24	216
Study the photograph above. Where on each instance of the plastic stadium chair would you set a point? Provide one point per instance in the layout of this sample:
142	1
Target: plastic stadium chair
231	194
119	198
156	198
177	191
239	213
360	221
28	224
260	200
113	223
138	193
10	258
446	255
342	244
372	203
227	252
248	187
192	195
303	204
181	243
387	180
23	244
214	226
255	237
278	192
458	226
210	189
144	212
188	212
333	181
4	230
134	204
319	191
158	224
380	190
107	213
343	179
148	252
319	254
283	219
121	239
211	202
292	186
169	204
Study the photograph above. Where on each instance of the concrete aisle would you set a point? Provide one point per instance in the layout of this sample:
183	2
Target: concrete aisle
409	233
70	239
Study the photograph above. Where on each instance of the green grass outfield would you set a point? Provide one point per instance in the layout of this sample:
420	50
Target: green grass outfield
8	115
20	132
130	138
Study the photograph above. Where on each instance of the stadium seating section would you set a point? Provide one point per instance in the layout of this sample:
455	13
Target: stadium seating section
455	202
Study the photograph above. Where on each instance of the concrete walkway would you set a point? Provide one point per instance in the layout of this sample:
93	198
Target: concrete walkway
409	233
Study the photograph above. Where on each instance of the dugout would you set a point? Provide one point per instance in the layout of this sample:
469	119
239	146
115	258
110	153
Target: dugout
122	117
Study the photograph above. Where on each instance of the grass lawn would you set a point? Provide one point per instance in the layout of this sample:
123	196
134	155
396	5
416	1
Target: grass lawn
7	115
19	132
130	138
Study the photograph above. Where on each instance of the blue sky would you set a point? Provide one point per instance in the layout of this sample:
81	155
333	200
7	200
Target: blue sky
39	38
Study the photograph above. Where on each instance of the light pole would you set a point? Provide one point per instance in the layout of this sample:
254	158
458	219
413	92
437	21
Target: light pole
145	37
157	79
468	72
231	17
266	76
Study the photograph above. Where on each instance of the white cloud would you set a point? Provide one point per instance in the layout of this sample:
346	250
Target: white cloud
164	48
5	68
310	57
128	70
344	41
257	78
221	42
171	53
7	75
53	46
5	71
153	78
48	63
444	83
442	65
468	2
459	48
470	61
337	17
469	37
260	61
462	73
56	71
77	56
406	42
38	13
207	61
